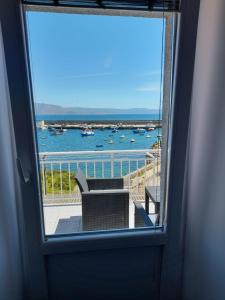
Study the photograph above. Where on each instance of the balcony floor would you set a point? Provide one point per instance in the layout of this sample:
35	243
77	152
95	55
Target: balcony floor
67	218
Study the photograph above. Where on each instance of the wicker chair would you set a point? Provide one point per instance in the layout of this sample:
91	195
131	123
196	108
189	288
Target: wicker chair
105	204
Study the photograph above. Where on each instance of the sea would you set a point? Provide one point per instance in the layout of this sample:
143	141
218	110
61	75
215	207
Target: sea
72	140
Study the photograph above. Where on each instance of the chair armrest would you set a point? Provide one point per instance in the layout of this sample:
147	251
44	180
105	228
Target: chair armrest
105	184
141	217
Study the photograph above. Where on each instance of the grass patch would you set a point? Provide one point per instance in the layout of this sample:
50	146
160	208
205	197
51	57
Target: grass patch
54	181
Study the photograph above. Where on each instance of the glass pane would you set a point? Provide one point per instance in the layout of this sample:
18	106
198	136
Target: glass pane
101	106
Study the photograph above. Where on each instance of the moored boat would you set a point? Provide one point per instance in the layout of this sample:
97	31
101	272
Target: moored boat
110	142
139	130
87	132
56	132
151	129
115	130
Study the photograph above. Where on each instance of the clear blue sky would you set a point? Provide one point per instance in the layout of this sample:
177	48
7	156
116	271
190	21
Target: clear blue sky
95	61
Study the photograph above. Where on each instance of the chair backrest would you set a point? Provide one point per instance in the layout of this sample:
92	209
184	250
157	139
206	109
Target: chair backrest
105	210
81	181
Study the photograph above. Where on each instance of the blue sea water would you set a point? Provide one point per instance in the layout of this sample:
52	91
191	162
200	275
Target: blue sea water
72	140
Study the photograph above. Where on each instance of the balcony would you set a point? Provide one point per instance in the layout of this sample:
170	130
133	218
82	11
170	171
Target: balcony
61	196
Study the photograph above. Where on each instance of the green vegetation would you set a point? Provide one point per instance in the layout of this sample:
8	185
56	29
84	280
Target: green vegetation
53	182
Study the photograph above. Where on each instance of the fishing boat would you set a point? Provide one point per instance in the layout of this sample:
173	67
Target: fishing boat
132	140
139	130
87	132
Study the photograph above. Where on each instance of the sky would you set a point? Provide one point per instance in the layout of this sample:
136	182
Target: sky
95	61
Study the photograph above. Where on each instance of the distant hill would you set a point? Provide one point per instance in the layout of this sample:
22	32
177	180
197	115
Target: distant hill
50	109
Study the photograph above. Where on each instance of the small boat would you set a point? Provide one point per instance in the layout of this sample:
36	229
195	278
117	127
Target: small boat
87	132
151	129
115	130
122	136
147	136
110	142
99	145
132	140
56	132
159	136
139	130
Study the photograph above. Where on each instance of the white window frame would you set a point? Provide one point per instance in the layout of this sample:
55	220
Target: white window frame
166	81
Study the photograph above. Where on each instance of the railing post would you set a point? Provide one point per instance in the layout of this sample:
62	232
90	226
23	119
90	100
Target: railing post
112	165
44	176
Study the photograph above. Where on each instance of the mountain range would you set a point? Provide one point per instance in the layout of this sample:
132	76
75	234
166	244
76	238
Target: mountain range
50	109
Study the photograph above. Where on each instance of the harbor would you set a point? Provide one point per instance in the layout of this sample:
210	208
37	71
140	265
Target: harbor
101	124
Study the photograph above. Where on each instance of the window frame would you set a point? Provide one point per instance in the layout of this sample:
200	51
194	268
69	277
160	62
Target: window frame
166	100
19	87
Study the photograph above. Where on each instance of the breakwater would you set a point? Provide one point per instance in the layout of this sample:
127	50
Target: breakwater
101	124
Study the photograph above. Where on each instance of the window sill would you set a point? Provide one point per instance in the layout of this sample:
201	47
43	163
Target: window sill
101	240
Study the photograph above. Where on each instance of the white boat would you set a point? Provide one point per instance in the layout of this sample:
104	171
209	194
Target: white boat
110	142
122	136
139	130
132	140
147	136
115	130
87	132
56	132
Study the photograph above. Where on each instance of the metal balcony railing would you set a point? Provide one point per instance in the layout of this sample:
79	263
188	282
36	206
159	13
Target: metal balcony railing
138	168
